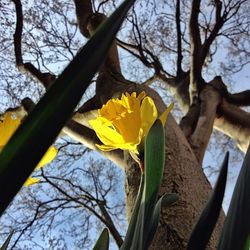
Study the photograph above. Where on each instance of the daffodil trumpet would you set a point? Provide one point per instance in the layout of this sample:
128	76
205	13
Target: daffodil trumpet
123	123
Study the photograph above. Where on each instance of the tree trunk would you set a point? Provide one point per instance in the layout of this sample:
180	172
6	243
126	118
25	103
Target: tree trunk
183	175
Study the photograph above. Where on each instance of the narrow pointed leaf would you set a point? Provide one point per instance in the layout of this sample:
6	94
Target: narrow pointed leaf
165	201
209	216
154	166
236	229
7	241
154	161
132	232
103	241
153	171
31	140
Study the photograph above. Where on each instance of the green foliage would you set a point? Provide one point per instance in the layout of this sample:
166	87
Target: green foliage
103	242
209	216
236	229
7	241
165	201
146	214
46	120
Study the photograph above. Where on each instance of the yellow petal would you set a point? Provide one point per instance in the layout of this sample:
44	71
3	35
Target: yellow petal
106	147
112	109
124	146
111	138
148	114
48	157
106	134
165	114
30	181
129	126
7	127
122	123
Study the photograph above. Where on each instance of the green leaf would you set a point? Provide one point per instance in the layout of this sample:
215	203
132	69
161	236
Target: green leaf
103	241
7	241
154	157
154	160
236	229
247	245
209	216
165	201
154	167
154	164
31	140
132	232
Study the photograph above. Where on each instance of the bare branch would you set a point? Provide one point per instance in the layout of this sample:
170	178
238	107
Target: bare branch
219	23
204	127
179	38
45	78
240	99
88	138
18	32
110	224
235	123
105	218
195	40
83	12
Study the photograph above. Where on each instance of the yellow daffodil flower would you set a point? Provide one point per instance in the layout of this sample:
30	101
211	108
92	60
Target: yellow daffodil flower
124	123
8	126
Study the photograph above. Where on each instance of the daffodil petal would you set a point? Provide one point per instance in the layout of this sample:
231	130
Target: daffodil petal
163	117
123	146
105	147
123	123
148	114
30	181
48	157
107	135
111	138
7	127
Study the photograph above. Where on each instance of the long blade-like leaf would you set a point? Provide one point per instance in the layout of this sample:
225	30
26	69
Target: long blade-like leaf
40	128
153	170
6	243
236	229
154	161
154	166
165	201
209	216
131	232
103	241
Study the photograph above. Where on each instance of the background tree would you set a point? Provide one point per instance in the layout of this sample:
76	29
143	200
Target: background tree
191	48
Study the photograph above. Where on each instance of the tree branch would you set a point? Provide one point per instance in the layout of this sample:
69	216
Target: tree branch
83	13
199	139
18	32
88	138
109	223
219	21
45	78
179	45
239	99
105	218
235	123
195	40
